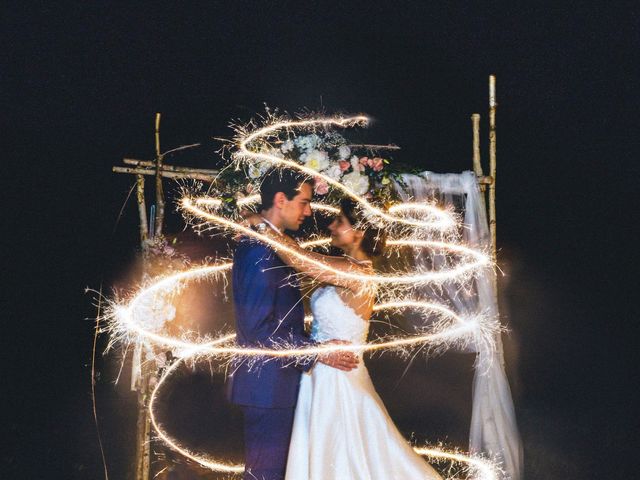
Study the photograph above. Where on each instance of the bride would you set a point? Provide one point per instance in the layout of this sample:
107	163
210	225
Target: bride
341	427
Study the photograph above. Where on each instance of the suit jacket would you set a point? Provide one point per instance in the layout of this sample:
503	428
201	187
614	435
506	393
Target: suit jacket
268	311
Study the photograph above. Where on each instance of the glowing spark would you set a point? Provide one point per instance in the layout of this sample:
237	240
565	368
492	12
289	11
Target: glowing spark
316	243
481	467
127	315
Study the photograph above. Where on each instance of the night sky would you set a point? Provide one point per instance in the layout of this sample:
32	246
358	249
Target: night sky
81	84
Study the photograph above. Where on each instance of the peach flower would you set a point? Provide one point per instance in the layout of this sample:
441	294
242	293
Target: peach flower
376	163
321	187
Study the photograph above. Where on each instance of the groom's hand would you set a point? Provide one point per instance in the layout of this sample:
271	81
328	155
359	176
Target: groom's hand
340	359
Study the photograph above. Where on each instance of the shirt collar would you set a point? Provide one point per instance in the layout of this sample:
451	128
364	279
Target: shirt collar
272	225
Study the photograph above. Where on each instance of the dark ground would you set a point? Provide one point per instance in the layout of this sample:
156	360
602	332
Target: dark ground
80	86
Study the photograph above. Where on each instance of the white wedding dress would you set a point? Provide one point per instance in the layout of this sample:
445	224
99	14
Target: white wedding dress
342	430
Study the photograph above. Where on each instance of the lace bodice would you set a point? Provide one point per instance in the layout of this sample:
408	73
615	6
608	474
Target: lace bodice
333	319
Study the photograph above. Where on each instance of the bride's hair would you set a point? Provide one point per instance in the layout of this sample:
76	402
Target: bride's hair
374	239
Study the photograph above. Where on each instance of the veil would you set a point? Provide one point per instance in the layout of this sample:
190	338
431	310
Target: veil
493	429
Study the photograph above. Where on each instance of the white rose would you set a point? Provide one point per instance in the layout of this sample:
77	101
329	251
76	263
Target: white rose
287	146
334	172
274	152
315	159
154	311
355	163
356	182
254	171
307	142
265	166
344	152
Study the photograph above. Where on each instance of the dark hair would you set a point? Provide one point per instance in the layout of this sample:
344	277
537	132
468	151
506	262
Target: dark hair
277	180
374	239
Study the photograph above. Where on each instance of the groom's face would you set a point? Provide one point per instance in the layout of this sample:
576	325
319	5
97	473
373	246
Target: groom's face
294	211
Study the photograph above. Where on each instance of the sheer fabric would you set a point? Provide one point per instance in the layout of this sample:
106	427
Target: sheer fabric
493	430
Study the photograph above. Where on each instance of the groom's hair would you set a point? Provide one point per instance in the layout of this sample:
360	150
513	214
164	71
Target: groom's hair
277	180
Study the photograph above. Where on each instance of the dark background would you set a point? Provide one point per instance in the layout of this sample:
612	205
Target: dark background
81	84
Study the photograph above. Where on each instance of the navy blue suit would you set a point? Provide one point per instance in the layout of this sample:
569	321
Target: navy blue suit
268	311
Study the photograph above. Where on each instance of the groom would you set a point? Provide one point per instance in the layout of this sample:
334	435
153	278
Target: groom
269	311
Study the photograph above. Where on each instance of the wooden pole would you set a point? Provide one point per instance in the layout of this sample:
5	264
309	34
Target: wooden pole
142	208
159	191
143	446
477	164
492	167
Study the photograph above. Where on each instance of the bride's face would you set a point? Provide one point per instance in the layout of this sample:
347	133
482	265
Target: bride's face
342	233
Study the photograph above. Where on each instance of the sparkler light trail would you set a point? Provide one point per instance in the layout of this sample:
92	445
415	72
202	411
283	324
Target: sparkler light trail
415	225
478	467
441	220
480	260
216	203
124	317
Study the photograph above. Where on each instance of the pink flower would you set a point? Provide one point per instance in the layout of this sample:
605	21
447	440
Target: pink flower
377	164
321	187
344	165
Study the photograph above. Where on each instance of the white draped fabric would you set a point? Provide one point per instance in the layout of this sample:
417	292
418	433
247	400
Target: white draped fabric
493	430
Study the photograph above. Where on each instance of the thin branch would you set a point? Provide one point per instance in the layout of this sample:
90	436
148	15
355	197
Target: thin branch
167	168
374	147
177	149
206	177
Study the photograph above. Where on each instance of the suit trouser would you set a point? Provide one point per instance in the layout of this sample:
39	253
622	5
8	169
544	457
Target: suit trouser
267	432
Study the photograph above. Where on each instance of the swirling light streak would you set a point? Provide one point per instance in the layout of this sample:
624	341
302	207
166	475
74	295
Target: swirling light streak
217	203
212	348
481	260
207	462
442	221
446	327
483	468
127	319
122	318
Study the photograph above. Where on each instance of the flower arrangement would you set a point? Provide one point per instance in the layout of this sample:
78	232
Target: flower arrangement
161	255
357	167
330	155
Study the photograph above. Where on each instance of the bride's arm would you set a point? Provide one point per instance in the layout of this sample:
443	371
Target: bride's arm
323	268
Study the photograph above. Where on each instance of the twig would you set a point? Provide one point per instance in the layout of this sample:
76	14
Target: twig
374	147
167	168
207	177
